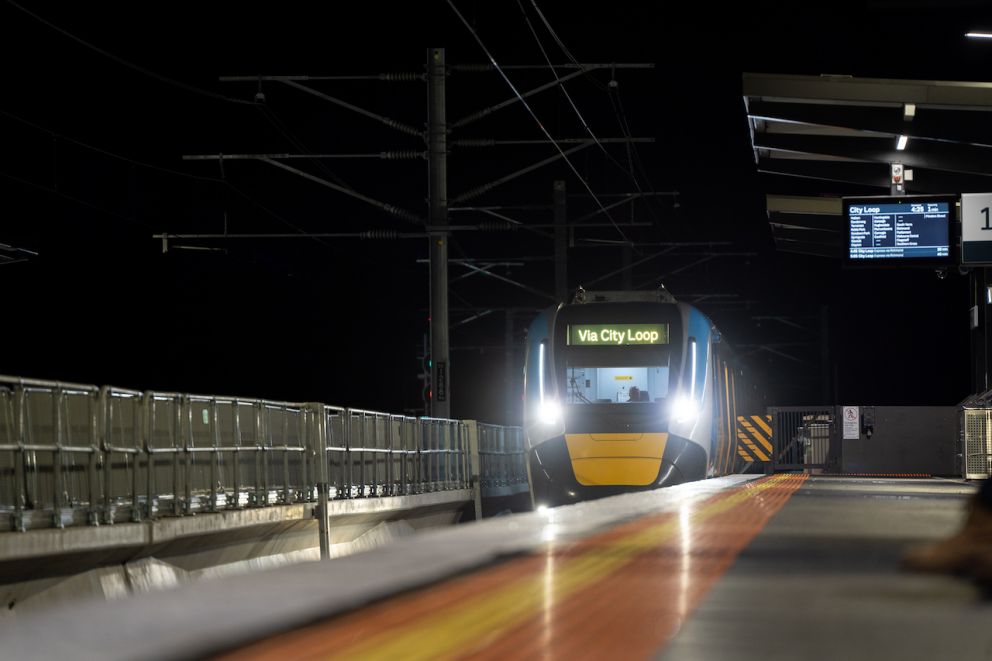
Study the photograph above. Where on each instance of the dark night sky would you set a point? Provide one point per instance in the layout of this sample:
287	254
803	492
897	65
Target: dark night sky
341	321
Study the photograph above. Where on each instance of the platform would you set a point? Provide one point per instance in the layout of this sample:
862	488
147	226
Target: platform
780	567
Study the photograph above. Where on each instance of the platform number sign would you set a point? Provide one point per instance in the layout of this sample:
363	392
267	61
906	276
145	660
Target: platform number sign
976	228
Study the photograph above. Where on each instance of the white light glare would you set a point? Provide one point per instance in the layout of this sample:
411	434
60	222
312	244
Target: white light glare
541	509
903	139
979	35
549	411
683	409
908	111
988	295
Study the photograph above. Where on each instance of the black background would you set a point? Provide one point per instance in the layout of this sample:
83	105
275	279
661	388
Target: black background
342	320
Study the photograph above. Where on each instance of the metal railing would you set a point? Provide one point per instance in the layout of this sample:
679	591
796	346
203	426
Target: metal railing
503	460
75	454
802	437
976	432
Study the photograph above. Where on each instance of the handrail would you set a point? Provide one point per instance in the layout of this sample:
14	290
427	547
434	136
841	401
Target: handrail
124	455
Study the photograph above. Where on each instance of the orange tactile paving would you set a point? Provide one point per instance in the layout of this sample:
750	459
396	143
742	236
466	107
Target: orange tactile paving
625	591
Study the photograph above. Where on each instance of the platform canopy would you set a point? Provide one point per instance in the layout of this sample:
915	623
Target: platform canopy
829	136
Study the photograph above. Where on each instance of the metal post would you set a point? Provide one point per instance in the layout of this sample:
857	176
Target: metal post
93	516
286	498
215	455
107	410
20	467
177	446
561	241
437	145
236	469
322	485
149	405
57	495
187	404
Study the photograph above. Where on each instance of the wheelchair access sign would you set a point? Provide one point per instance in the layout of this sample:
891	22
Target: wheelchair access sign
976	228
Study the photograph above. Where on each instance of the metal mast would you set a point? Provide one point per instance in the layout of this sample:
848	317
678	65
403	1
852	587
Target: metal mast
437	149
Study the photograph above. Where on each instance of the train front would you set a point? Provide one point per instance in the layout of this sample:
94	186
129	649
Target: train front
614	399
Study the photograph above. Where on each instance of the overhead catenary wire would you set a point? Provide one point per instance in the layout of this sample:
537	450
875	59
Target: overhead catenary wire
530	110
144	164
130	65
610	90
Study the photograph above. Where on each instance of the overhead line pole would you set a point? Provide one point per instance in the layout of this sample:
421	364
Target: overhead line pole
437	148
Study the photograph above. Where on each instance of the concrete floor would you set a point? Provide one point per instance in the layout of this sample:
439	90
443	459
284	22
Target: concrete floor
819	581
822	581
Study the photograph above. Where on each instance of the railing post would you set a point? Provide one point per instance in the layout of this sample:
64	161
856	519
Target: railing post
147	430
346	427
236	472
20	498
472	431
57	476
363	422
177	448
215	455
320	439
186	405
106	429
285	455
93	407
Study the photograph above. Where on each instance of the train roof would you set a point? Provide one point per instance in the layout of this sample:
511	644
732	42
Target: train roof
660	295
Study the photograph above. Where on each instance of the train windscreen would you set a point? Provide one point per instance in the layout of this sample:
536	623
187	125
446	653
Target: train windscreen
616	385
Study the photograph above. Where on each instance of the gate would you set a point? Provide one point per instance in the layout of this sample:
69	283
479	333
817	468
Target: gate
801	436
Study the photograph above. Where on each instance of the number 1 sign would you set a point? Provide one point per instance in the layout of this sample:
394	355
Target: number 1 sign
976	230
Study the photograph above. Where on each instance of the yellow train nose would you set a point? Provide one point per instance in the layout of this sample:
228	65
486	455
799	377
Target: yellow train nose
616	459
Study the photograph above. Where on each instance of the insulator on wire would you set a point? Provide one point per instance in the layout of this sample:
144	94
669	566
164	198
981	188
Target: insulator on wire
402	213
401	155
497	226
380	234
401	77
475	142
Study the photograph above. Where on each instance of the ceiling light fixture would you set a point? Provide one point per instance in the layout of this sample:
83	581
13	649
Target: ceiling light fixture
979	35
901	144
908	111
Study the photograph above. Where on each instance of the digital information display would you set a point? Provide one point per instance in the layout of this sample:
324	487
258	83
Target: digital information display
617	335
891	229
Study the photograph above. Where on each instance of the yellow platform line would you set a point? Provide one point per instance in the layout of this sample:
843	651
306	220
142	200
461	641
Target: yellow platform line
469	626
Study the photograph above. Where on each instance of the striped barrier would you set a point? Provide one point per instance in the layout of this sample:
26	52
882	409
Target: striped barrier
754	436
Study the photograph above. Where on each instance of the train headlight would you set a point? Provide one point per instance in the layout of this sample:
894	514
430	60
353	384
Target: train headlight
684	409
549	412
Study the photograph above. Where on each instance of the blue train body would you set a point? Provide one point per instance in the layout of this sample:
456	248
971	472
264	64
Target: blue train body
626	391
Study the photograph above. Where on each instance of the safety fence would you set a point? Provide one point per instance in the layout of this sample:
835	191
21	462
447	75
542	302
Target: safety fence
501	451
74	454
975	421
802	437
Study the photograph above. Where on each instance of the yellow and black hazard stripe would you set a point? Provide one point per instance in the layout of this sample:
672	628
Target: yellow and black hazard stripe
754	436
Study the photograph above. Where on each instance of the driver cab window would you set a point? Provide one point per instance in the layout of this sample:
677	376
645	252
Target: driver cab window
616	385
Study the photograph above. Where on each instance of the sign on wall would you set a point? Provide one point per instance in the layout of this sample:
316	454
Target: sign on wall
852	422
976	228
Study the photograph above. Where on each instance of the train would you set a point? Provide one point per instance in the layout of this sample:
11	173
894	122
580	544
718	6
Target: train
627	391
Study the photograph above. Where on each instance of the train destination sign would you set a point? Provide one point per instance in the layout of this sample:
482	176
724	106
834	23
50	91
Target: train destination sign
594	335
